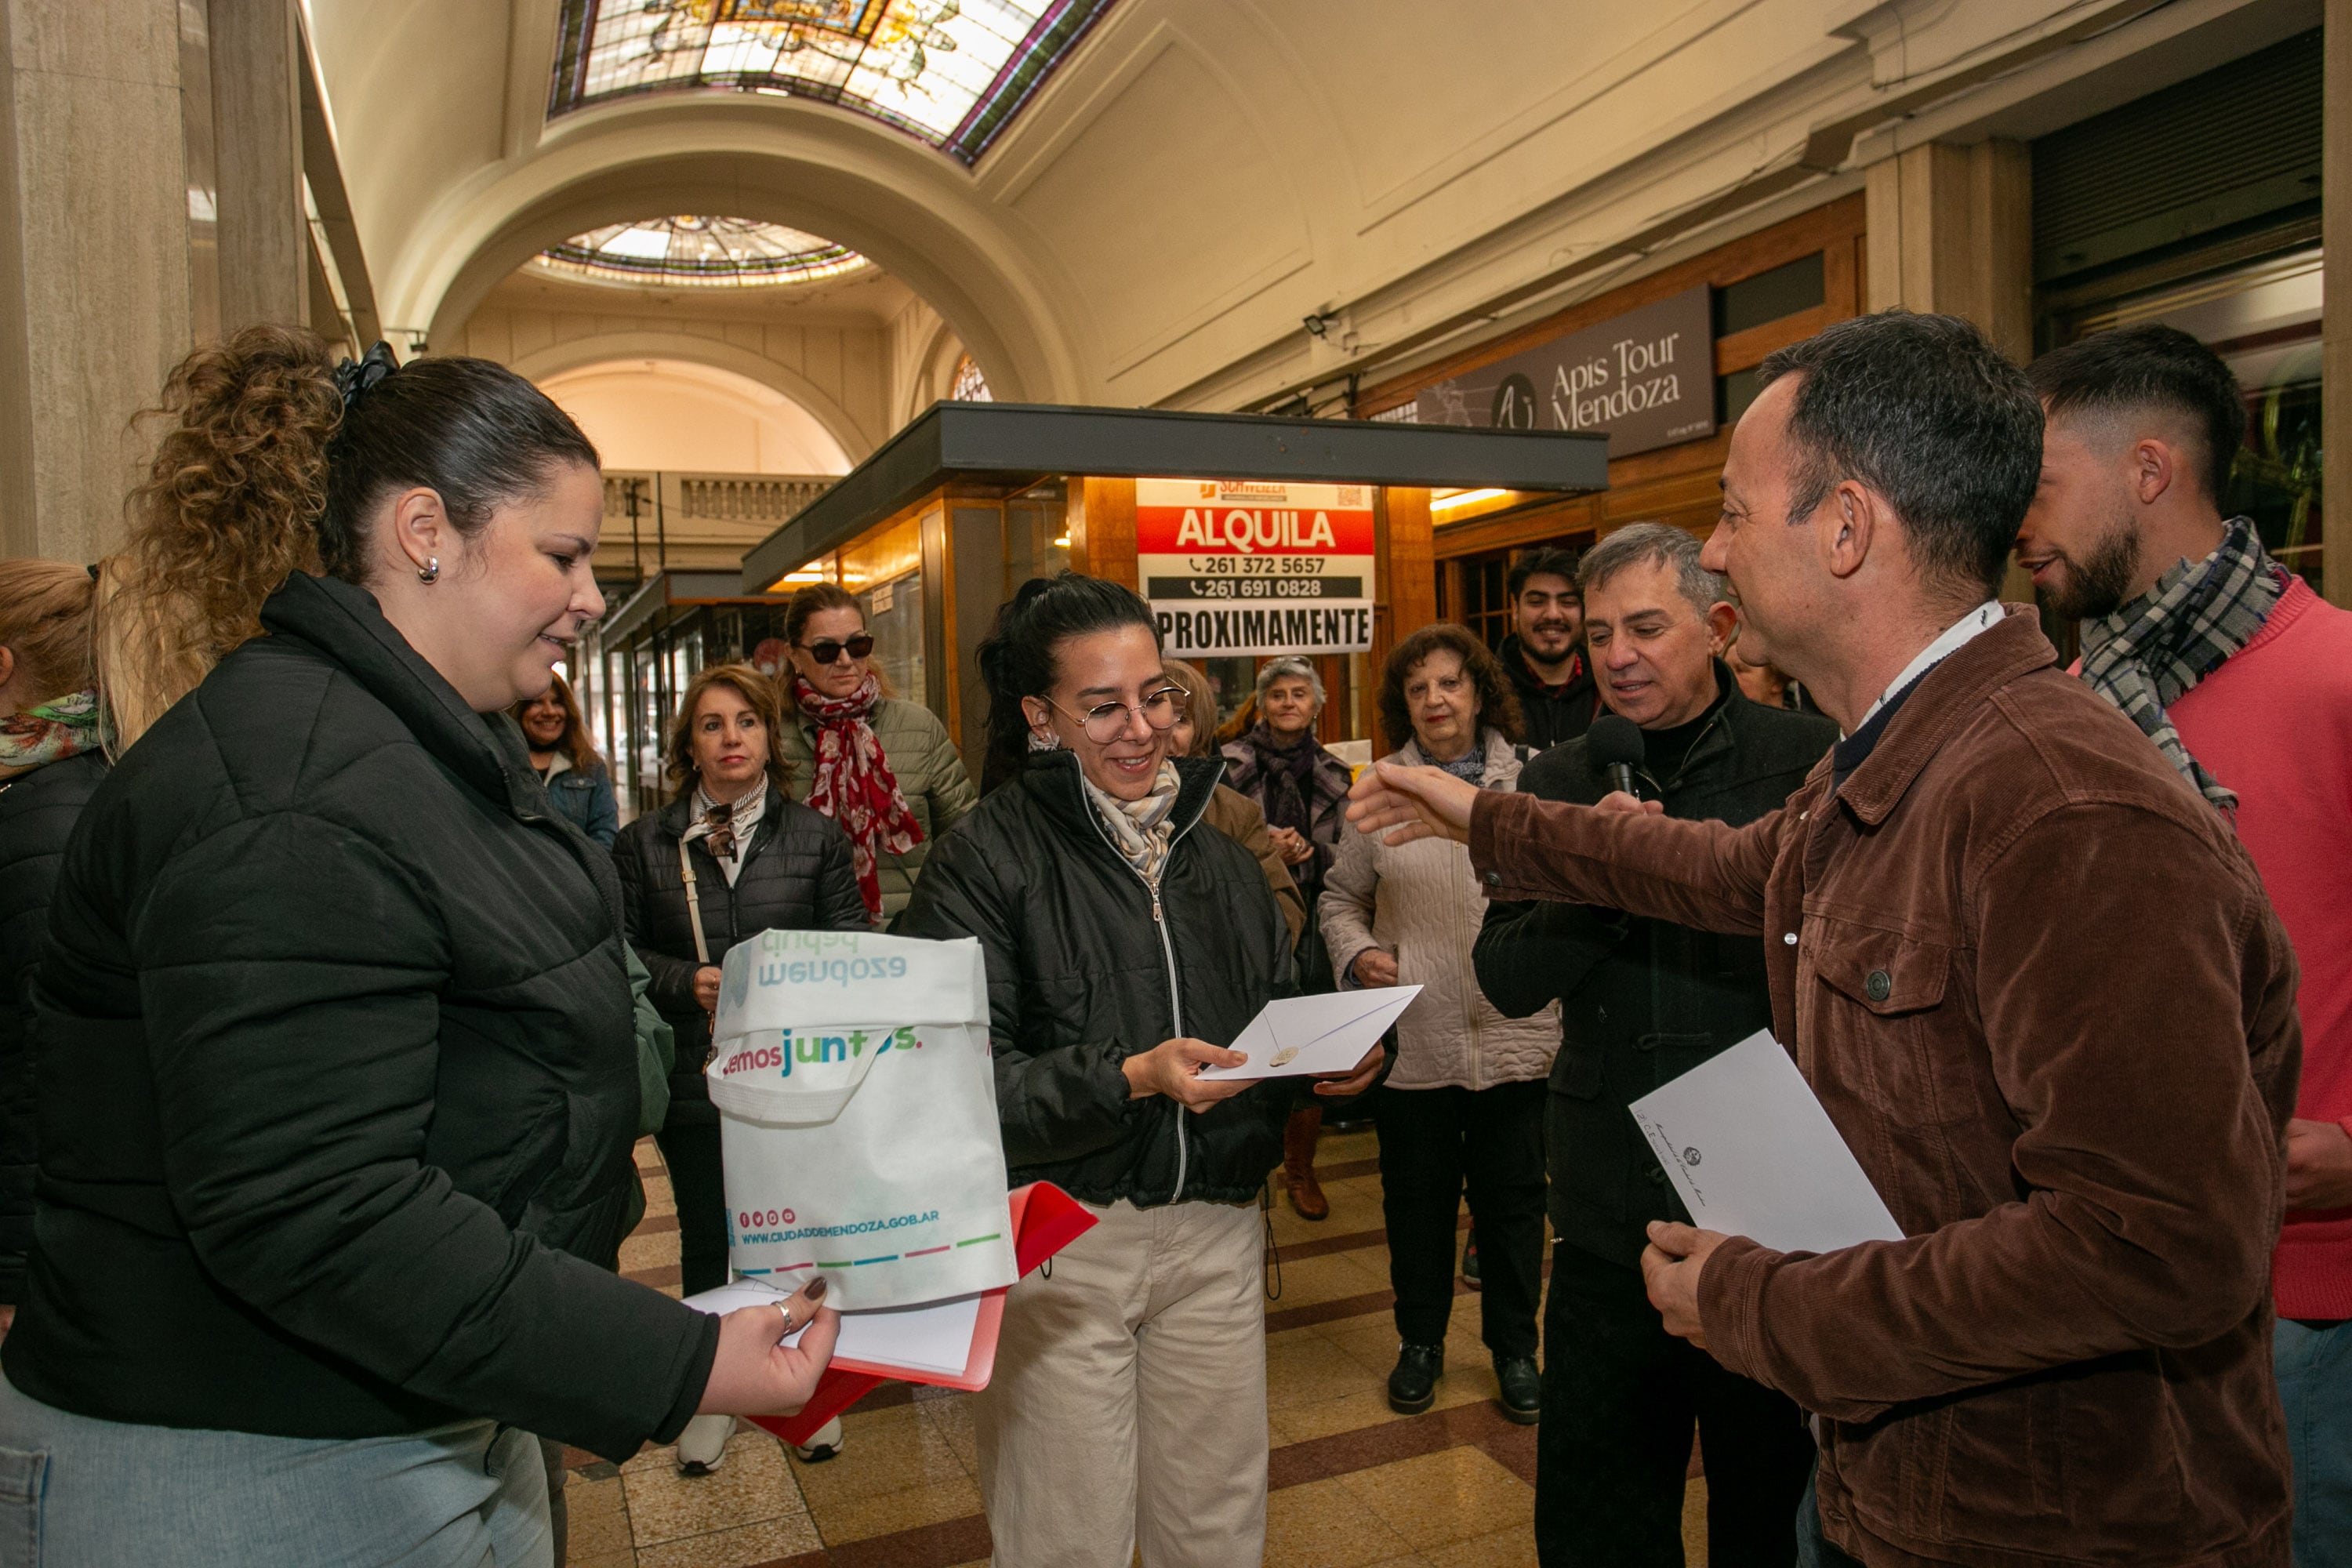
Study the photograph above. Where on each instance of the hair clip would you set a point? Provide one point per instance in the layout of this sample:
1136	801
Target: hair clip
356	378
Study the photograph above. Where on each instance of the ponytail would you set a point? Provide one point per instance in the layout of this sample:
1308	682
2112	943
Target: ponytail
44	621
230	505
273	460
1018	658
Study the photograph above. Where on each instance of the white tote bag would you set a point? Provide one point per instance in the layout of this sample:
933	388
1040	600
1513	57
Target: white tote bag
857	1117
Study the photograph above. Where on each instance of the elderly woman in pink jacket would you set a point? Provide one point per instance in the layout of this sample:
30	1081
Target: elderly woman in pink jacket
1464	1108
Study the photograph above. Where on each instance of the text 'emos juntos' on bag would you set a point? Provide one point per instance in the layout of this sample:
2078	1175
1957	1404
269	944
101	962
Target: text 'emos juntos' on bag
858	1125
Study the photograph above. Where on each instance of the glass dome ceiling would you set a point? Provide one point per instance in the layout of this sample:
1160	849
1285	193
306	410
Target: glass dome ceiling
707	251
951	73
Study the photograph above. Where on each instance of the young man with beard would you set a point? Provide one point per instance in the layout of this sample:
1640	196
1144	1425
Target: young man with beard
1643	1002
2243	676
1543	655
2029	971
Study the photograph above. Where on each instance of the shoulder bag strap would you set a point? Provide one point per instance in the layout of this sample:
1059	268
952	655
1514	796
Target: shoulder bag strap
693	902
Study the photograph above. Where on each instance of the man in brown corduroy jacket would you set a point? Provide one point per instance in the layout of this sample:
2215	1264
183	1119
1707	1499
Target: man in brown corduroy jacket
2029	970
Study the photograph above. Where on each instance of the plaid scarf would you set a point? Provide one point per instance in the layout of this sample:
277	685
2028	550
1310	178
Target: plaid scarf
2148	655
1142	830
855	786
48	732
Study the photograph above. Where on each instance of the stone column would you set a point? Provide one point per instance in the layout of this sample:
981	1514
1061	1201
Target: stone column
94	306
264	236
2336	329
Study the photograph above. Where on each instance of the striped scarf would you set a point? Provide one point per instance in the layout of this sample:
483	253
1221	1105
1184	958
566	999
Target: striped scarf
1142	830
2150	653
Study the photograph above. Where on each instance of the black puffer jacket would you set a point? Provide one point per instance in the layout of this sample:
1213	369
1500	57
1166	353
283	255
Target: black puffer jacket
1078	981
37	813
1642	1001
338	1076
796	875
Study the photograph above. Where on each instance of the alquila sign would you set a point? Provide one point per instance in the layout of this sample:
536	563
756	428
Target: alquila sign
1646	377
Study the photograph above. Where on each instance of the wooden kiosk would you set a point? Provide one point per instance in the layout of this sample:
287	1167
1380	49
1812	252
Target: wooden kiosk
1252	535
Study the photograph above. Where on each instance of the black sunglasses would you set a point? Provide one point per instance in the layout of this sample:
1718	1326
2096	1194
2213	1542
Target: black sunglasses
825	650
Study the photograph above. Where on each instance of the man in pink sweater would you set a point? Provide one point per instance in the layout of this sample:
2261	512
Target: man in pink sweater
2243	676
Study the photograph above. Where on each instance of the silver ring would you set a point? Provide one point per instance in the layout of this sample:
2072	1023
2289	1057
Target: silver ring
788	1319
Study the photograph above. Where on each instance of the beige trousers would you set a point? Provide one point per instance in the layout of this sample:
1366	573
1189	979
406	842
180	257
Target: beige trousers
1129	1402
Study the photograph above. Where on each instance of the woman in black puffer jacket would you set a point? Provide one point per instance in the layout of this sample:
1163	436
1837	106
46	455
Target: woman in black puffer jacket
732	856
338	1075
1124	944
50	764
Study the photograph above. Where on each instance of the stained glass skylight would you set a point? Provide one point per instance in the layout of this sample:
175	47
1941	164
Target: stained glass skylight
952	73
700	251
971	386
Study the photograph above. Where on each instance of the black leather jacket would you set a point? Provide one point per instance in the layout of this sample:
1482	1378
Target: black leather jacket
1086	969
796	875
1642	1001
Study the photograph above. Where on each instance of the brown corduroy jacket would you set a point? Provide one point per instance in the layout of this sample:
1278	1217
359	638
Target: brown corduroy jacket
2036	983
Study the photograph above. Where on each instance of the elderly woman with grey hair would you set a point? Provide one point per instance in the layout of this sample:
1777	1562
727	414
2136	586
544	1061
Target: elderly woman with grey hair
1303	790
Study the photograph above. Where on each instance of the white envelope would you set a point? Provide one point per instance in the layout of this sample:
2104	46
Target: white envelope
934	1337
1299	1035
1753	1153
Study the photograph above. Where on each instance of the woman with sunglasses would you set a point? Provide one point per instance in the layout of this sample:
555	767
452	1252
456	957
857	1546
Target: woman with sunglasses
1123	942
881	767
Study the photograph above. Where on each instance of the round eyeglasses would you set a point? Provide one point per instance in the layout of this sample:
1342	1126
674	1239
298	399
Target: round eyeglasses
1107	721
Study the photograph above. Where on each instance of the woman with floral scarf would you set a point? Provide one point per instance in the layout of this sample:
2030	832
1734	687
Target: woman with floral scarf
50	764
882	768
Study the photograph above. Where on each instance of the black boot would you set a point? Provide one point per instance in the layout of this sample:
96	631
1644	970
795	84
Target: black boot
1522	1388
1412	1386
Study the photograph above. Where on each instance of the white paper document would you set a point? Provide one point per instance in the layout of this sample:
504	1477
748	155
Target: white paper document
1299	1035
934	1337
1753	1153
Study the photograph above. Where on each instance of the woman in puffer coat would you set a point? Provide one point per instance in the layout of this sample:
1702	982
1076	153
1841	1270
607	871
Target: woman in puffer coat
50	764
879	766
1463	1107
732	856
1125	943
338	1073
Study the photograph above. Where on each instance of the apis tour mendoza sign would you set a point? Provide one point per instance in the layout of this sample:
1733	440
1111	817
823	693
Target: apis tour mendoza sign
1238	567
1646	377
857	1117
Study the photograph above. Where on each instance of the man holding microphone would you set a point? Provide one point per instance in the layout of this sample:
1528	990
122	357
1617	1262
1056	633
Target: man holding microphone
2067	1359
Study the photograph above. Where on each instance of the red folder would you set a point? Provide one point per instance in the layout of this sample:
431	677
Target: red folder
1046	1219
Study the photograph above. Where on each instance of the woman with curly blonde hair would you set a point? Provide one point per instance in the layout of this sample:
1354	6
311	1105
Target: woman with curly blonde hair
339	1060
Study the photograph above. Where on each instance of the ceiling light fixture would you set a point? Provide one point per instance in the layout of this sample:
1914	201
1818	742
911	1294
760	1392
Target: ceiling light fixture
1461	499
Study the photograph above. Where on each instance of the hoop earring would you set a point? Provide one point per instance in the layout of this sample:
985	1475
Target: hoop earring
431	571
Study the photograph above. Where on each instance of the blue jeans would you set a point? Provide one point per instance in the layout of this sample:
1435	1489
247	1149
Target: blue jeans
2314	1379
1815	1550
81	1493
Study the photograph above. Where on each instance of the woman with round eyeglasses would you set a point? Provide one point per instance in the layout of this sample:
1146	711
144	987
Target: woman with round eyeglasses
882	767
1124	942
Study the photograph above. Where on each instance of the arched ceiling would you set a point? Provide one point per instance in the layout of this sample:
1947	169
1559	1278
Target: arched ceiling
1200	176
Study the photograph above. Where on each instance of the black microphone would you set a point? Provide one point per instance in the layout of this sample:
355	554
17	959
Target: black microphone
1615	742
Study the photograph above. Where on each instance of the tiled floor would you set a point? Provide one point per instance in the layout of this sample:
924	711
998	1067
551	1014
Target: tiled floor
1353	1484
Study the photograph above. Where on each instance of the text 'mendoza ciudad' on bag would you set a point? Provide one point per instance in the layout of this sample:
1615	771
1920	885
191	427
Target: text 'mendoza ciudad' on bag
857	1117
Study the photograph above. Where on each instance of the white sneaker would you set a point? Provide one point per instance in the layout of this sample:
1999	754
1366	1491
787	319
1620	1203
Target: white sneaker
702	1446
823	1444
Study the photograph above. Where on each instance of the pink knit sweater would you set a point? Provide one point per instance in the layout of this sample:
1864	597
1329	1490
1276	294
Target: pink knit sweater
2274	724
